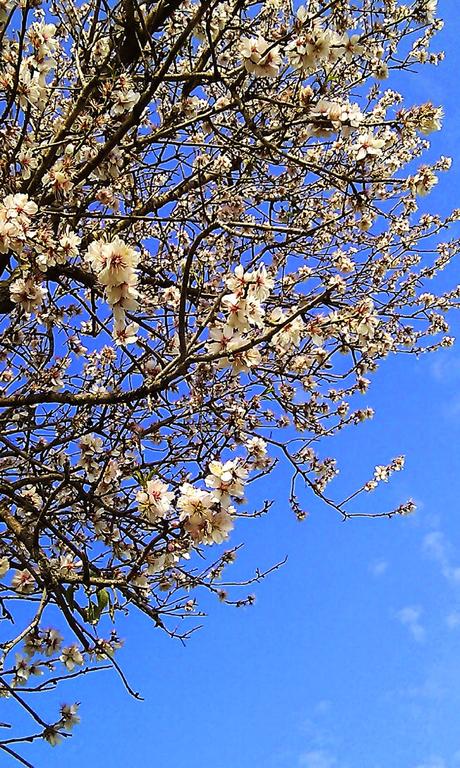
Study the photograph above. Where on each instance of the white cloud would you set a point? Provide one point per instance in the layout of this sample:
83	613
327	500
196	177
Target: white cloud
318	758
436	545
445	367
453	619
430	688
433	762
378	567
452	409
323	706
409	616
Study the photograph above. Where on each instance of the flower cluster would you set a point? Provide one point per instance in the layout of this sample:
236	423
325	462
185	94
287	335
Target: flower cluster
368	146
27	293
227	481
329	117
16	213
204	519
205	515
423	181
91	448
425	118
244	311
315	46
383	472
123	96
260	58
311	47
115	264
154	501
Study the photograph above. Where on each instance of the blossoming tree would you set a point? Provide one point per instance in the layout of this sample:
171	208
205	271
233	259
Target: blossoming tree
209	237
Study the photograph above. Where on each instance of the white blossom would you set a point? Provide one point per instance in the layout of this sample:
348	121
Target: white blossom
260	58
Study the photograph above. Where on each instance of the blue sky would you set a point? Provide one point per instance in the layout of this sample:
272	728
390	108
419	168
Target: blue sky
349	657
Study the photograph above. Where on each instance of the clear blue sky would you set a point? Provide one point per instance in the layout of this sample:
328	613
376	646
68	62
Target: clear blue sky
350	656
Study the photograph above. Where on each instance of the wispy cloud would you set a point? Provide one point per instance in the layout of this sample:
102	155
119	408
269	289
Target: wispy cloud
453	619
409	616
445	367
436	546
433	762
321	750
378	567
451	407
318	758
430	689
323	706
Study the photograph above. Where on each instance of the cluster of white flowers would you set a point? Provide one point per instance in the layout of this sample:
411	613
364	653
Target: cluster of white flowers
154	501
4	566
59	177
220	15
115	264
49	643
207	516
42	38
332	116
123	97
90	450
23	669
383	472
290	332
423	181
111	168
425	118
257	450
50	251
243	308
67	565
30	88
426	10
23	582
260	58
31	495
27	293
226	341
367	146
101	49
364	320
203	519
36	67
226	480
71	657
343	262
27	163
109	481
314	46
16	212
